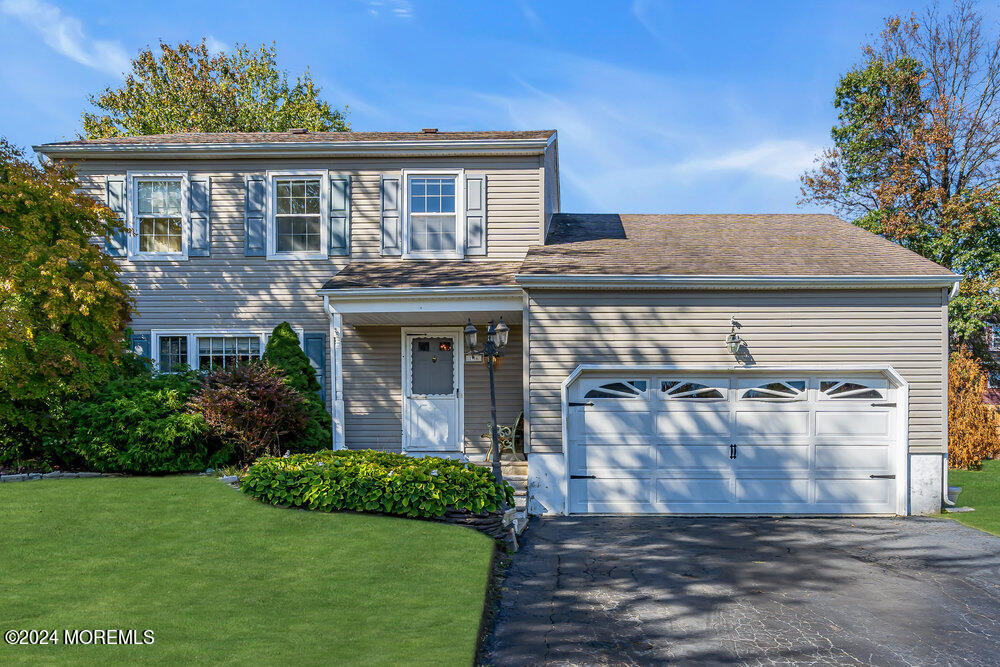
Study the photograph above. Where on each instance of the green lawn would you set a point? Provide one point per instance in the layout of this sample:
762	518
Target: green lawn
219	577
981	490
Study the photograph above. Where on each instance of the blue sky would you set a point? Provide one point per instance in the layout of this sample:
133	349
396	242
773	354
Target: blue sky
680	107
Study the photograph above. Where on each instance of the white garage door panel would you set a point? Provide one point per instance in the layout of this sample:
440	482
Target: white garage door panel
771	422
688	424
695	455
612	457
782	457
772	490
854	422
876	492
694	489
732	445
852	457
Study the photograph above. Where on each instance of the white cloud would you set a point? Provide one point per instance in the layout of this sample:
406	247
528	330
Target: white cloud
783	159
65	34
401	9
216	46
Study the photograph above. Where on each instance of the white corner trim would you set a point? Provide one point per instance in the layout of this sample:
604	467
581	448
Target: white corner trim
566	281
337	379
902	405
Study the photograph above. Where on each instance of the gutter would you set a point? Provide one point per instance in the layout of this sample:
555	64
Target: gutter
389	292
298	149
569	281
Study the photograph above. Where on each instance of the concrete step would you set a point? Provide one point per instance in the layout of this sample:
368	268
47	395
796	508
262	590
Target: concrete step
520	523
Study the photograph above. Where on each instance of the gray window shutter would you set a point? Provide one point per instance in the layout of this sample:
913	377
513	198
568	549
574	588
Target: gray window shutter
140	345
255	241
315	349
340	215
117	244
199	207
475	215
392	237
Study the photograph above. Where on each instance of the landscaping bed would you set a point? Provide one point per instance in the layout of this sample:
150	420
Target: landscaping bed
981	491
220	578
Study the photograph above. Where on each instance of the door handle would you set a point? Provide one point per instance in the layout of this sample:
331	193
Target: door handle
732	451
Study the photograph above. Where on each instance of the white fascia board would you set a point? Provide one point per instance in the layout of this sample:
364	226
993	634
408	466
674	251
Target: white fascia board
423	299
567	281
300	149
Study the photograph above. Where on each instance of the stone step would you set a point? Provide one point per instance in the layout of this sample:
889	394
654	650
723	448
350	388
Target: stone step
520	523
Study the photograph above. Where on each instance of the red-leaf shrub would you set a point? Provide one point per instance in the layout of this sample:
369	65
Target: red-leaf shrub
252	408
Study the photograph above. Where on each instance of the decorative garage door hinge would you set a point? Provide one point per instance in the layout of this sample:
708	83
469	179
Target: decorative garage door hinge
882	476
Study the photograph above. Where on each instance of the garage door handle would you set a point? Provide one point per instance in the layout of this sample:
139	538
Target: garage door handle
882	476
583	476
575	404
883	405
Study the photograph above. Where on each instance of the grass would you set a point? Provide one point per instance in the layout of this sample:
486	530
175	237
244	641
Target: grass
981	490
219	577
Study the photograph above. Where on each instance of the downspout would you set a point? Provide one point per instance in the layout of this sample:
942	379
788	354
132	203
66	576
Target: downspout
945	499
337	380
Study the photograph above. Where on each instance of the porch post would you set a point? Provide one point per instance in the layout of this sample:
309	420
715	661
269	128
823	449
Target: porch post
337	383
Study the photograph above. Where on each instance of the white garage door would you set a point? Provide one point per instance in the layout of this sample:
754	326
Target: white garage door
746	444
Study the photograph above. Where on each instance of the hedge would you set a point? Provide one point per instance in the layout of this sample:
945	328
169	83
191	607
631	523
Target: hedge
370	481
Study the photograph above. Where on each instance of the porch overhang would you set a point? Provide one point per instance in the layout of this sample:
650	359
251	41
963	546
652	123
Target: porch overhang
437	306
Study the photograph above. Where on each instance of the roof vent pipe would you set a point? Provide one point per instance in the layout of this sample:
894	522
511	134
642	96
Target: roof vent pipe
298	130
429	130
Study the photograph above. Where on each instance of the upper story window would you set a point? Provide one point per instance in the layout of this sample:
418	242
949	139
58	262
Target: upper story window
158	215
433	228
297	228
993	337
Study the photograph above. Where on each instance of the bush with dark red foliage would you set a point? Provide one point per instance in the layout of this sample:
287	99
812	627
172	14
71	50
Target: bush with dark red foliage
251	408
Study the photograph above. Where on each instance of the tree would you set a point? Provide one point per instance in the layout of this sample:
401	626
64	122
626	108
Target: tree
973	426
284	352
186	89
915	151
63	308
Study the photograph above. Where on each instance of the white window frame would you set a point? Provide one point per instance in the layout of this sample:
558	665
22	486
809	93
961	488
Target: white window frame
192	341
459	176
131	213
323	175
993	337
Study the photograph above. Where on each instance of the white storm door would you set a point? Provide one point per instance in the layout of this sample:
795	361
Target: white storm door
432	391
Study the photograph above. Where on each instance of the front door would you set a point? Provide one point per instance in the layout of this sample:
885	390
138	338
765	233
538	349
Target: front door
432	374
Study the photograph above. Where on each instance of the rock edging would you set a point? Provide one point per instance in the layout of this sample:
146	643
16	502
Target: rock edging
55	474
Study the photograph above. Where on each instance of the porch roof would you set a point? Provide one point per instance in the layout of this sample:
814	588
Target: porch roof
396	274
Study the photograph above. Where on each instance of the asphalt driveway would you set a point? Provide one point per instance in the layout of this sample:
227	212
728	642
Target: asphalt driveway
640	590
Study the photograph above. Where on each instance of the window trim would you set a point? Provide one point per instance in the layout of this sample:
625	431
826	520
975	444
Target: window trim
192	341
460	249
323	175
131	214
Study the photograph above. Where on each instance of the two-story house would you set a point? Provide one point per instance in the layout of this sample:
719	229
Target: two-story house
664	363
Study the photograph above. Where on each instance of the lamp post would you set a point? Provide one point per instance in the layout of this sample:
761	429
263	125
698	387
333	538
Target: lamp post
492	347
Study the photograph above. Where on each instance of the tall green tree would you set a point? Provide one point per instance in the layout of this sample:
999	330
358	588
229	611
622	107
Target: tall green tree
63	308
916	150
187	89
284	351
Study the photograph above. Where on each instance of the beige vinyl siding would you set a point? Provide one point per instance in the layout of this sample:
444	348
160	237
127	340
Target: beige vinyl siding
373	389
903	328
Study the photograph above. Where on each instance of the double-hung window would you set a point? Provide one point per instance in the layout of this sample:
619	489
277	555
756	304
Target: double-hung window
297	228
158	215
433	202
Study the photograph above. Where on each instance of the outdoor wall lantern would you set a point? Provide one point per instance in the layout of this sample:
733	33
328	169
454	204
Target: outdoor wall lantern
492	348
733	340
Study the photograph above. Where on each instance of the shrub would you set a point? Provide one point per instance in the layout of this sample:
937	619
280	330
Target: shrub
140	425
251	408
973	425
284	352
369	481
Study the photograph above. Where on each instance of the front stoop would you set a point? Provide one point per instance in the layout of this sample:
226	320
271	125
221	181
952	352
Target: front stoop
516	474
